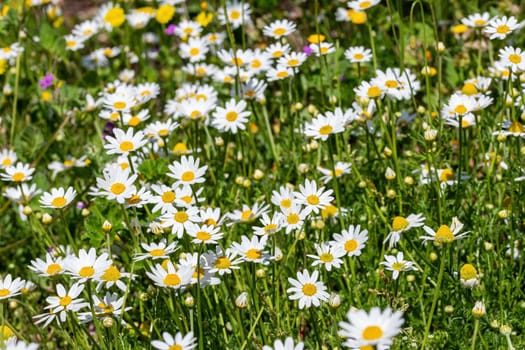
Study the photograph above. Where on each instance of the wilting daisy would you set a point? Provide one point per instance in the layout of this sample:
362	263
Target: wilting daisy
468	276
307	289
170	276
50	267
154	251
9	287
124	142
499	28
187	171
328	255
232	117
87	265
377	328
313	198
179	342
288	344
58	198
279	28
397	264
18	173
401	224
445	234
352	241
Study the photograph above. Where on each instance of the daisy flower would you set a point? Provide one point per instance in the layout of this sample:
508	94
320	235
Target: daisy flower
283	198
134	119
122	100
341	168
476	20
179	342
7	157
14	343
307	289
117	184
171	276
204	234
294	217
321	49
22	193
154	251
270	225
468	276
236	14
352	241
253	89
358	54
288	344
323	126
110	305
179	219
58	198
187	28
292	59
195	49
459	104
401	224
86	266
187	171
65	301
313	198
18	173
232	117
512	58
252	250
279	73
86	29
377	328
9	287
397	264
397	84
210	216
279	28
369	90
463	121
123	143
327	255
222	262
247	213
361	5
499	28
52	266
515	129
277	50
445	234
112	277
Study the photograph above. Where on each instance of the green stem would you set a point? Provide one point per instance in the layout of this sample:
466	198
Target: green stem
475	334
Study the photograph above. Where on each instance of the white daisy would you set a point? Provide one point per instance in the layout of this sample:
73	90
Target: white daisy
58	198
307	289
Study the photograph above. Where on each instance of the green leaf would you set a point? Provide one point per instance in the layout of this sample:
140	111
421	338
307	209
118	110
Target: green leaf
154	169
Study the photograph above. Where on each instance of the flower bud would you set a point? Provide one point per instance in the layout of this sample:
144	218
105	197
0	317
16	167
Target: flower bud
106	226
390	174
478	310
430	135
47	219
27	210
335	300
108	322
505	329
449	309
260	273
189	300
242	300
258	174
468	276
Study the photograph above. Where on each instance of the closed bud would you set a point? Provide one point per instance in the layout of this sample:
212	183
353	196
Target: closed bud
303	168
488	245
278	255
189	300
503	214
27	210
387	151
239	180
85	212
314	145
411	278
108	322
219	141
258	174
449	309
391	194
319	224
242	300
501	137
47	219
494	324
505	329
409	180
335	300
332	99
155	228
260	273
144	296
361	184
440	47
246	183
106	226
433	256
430	135
390	174
479	310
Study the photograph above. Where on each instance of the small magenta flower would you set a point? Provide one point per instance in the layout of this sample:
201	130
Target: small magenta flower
46	81
307	50
170	30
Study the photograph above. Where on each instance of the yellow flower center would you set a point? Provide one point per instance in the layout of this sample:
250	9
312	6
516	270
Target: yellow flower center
316	38
117	188
157	252
374	92
222	262
468	272
111	274
86	271
460	109
359	56
256	63
365	4
115	17
231	116
180	148
168	197
187	199
279	31
323	49
203	235
351	245
188	30
181	217
399	223
282	74
372	333
270	229
163	132
253	254
6	162
133	121
65	301
502	29
444	234
277	54
469	89
447	175
4	292
247	215
391	84
53	269
194	51
514	58
235	14
293	62
210	221
175	347
325	130
107	309
286	203
480	22
329	211
172	279
516	127
292	219
127	146
58	202
312	199
187	176
326	257
68	163
119	105
398	266
309	289
18	177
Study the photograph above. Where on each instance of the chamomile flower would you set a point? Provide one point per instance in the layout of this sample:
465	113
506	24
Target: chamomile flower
187	28
476	20
86	29
210	216
236	14
247	213
358	54
459	105
499	28
340	169
195	49
204	234
294	217
10	287
288	344
233	117
362	5
138	19
123	99
179	342
110	305
468	276
124	142
307	289
321	127
397	264
279	28
58	198
187	171
171	276
445	234
253	89
376	328
14	343
64	301
52	266
223	262
117	184
292	59
397	84
165	199
279	73
7	157
283	198
512	58
154	251
179	219
10	52
277	50
369	90
86	265
401	224
351	241
19	172
322	48
463	121
135	119
510	128
328	256
313	198
112	276
23	193
252	250
270	225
